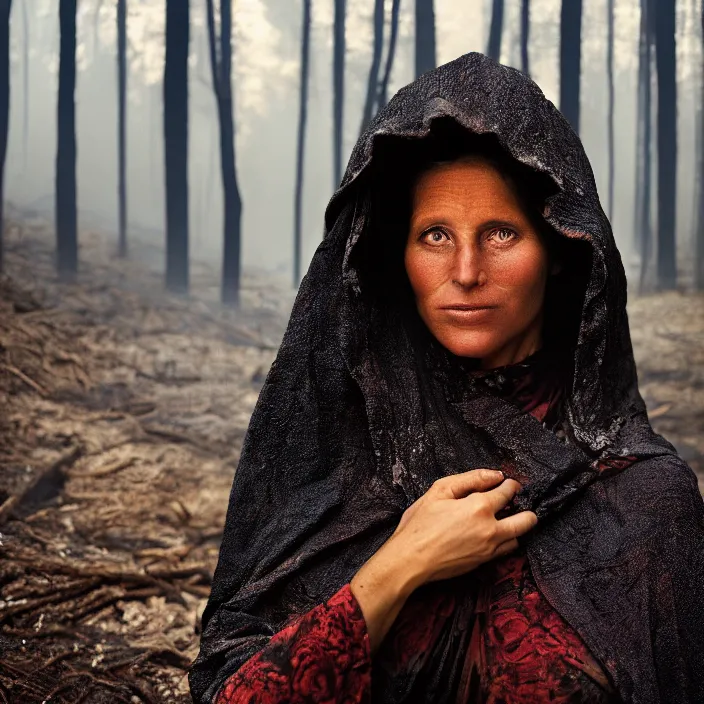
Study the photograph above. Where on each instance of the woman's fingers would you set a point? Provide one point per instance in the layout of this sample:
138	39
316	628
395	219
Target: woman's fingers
457	486
506	547
511	527
500	496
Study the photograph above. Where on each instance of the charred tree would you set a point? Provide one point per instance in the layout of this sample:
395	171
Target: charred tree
176	143
493	49
121	125
643	220
610	71
525	33
221	69
65	186
665	60
699	234
373	80
338	88
5	7
300	151
570	60
391	55
425	36
25	81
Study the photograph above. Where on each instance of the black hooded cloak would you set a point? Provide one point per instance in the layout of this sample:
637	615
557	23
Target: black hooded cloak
353	424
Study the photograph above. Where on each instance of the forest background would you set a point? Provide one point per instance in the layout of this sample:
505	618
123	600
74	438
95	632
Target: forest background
141	307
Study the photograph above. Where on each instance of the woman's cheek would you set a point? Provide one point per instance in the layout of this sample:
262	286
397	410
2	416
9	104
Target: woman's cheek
426	275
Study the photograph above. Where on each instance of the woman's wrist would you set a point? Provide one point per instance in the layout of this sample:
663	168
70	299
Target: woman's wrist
382	586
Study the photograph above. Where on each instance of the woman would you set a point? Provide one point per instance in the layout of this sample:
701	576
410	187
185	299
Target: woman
368	553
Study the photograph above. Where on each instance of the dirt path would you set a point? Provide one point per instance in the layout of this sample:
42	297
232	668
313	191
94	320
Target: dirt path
124	417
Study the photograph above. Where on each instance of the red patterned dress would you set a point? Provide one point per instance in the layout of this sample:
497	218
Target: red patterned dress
521	651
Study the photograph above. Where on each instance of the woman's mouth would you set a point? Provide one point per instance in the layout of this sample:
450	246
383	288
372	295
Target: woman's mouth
467	313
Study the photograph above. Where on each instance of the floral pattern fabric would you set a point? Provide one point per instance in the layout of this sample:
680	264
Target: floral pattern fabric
323	656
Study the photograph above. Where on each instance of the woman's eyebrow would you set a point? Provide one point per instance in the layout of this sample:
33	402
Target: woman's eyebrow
423	222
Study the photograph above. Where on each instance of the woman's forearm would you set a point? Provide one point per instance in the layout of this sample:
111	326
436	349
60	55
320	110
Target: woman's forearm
381	587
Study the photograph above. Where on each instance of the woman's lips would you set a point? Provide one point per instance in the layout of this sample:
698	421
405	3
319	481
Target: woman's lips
468	314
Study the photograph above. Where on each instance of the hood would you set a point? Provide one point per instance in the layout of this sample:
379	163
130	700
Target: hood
484	97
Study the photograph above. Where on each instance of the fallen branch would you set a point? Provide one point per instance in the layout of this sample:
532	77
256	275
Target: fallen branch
23	377
42	486
108	470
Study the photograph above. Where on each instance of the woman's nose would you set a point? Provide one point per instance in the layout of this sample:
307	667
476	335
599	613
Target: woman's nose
468	268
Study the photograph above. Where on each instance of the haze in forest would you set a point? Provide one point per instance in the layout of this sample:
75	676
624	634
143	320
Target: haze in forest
266	68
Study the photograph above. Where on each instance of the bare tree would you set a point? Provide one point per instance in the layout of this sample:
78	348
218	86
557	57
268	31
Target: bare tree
570	60
221	68
65	187
666	62
425	36
610	71
25	81
121	124
391	55
643	220
699	234
5	8
302	118
495	30
338	87
525	31
176	143
373	80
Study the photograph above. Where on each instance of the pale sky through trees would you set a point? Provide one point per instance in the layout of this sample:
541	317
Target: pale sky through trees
266	55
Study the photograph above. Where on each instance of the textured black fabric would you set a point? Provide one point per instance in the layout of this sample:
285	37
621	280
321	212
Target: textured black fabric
361	411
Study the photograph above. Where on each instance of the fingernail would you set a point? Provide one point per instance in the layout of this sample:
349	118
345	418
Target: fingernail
499	473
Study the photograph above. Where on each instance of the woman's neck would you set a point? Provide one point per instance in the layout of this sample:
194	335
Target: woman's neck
514	351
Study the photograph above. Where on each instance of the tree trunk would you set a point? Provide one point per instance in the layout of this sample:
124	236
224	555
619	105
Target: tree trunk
373	80
338	80
497	24
25	81
646	203
384	85
570	60
665	59
610	70
302	117
121	127
642	112
176	143
525	32
425	36
5	7
66	209
221	69
699	234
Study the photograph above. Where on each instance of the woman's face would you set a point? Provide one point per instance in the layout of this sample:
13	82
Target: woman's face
477	265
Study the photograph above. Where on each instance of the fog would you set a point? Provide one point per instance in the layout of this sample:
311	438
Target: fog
266	64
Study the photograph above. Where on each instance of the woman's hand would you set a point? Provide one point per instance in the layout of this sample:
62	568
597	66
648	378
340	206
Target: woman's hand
452	528
448	531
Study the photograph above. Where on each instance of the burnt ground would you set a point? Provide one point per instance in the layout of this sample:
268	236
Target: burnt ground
123	414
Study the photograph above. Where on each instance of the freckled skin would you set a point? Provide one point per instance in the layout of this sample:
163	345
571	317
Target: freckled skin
470	242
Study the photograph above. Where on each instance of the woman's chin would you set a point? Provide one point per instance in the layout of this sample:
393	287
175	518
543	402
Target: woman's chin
478	345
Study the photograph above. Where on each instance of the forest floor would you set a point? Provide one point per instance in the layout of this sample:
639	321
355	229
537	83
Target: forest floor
124	410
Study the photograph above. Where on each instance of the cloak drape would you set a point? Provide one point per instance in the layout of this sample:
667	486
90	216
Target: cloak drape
361	412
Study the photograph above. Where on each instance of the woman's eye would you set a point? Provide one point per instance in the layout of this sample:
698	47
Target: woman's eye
434	236
502	235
